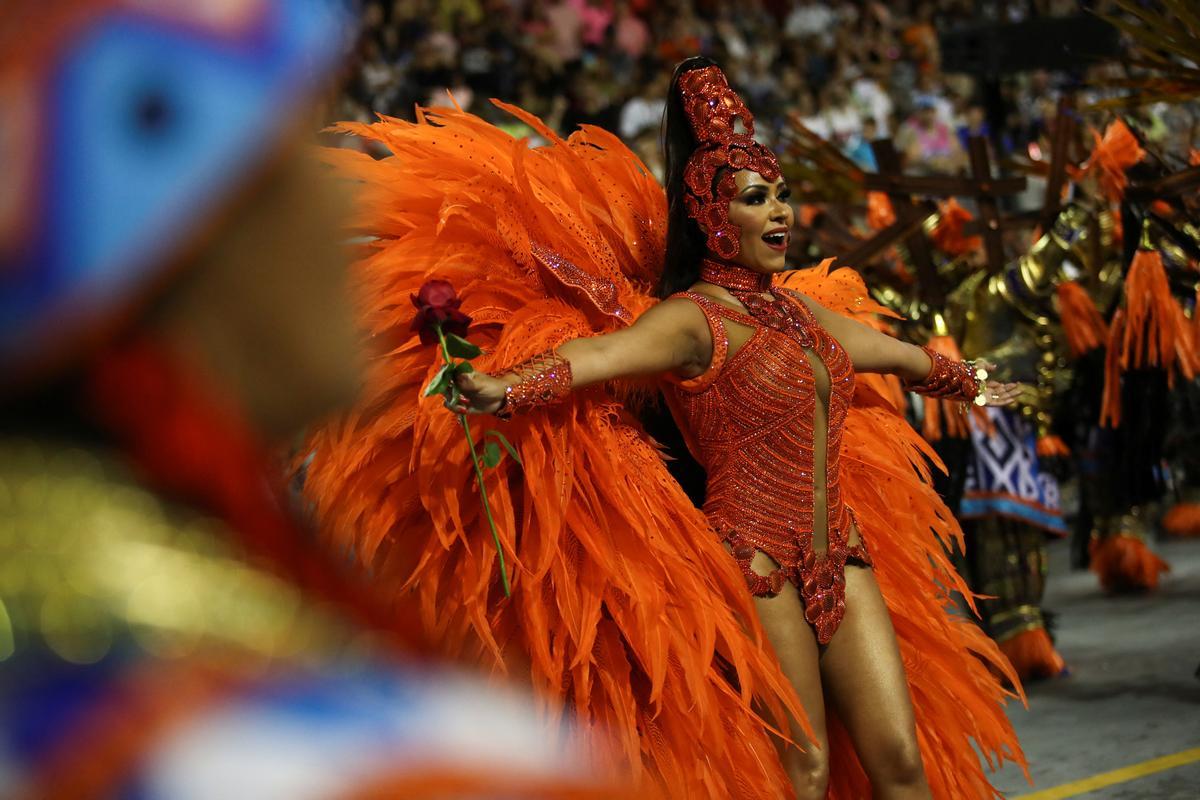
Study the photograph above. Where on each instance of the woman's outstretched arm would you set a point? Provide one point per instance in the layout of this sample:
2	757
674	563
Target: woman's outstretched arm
671	336
873	351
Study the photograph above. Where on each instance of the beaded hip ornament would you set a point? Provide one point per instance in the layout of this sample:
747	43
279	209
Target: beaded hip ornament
713	109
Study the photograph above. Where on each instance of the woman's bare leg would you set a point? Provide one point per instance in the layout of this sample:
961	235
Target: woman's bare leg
864	678
795	645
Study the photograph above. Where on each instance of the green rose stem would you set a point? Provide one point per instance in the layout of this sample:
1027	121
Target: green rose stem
487	505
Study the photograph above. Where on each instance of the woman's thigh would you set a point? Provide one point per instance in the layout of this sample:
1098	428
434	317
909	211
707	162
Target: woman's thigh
795	645
864	677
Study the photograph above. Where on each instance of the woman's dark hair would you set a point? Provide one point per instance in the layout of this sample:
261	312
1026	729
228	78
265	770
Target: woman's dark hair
685	241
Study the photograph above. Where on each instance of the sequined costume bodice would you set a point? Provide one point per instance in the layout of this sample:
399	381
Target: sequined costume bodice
753	421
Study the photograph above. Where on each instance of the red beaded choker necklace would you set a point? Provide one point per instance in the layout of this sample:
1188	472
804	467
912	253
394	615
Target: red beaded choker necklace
734	277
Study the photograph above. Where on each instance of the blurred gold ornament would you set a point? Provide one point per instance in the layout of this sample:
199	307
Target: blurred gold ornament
90	561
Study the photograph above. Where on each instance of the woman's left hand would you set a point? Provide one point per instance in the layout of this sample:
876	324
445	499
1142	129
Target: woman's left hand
1001	394
996	393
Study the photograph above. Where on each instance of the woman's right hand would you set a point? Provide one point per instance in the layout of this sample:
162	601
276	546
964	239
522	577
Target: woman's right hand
479	393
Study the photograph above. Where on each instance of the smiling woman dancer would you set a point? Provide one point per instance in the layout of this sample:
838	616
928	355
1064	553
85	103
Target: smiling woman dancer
631	608
762	382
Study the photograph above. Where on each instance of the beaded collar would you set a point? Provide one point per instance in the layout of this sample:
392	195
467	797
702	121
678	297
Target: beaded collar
734	277
747	286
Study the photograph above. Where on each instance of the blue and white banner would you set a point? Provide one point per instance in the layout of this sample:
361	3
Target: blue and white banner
1004	477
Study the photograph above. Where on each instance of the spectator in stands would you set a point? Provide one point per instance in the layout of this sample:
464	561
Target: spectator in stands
845	120
863	59
809	19
595	17
644	111
974	123
859	147
566	28
870	94
927	142
631	36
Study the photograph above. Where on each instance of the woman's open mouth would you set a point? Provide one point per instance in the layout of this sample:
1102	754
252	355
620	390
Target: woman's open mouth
777	239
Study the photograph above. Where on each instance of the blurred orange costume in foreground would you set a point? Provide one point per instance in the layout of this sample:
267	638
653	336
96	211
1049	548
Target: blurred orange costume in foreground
625	607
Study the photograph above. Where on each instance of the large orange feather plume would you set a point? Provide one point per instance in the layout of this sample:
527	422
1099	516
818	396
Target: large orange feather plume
626	611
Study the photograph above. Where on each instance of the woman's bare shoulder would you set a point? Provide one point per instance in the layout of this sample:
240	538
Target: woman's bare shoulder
677	311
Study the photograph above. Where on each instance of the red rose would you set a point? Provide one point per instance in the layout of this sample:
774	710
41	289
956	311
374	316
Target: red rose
437	304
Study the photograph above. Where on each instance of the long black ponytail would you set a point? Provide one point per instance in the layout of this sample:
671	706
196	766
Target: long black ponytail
685	241
686	246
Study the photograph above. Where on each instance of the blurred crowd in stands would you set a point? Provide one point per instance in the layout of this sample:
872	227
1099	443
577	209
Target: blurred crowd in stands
850	71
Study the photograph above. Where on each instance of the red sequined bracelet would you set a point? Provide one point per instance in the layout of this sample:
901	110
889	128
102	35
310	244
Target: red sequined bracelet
951	380
545	379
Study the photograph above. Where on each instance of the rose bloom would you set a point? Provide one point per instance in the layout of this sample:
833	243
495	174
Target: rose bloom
438	304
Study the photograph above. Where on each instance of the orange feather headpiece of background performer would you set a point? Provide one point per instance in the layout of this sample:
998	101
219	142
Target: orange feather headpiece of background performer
713	109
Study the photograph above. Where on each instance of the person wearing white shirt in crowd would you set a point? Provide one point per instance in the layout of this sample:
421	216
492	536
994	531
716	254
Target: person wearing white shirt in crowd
870	94
645	110
809	18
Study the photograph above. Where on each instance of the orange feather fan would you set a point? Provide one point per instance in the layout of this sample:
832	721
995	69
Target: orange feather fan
880	213
1183	520
1124	563
1033	655
1113	154
1051	445
626	611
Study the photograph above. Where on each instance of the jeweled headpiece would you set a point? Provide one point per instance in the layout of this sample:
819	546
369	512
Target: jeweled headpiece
713	109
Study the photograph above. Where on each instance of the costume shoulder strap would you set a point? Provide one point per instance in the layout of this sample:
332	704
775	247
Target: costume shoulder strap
720	339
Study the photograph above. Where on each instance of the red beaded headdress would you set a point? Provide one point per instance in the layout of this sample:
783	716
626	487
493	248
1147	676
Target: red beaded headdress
713	110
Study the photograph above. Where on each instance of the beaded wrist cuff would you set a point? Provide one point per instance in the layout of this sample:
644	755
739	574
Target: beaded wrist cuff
951	380
545	379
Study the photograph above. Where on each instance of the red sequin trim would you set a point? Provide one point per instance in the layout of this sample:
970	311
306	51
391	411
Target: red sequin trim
602	292
712	106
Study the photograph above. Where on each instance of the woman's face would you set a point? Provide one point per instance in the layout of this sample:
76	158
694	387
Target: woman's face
762	211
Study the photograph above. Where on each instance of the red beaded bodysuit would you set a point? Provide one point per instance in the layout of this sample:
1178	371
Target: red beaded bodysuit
766	423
